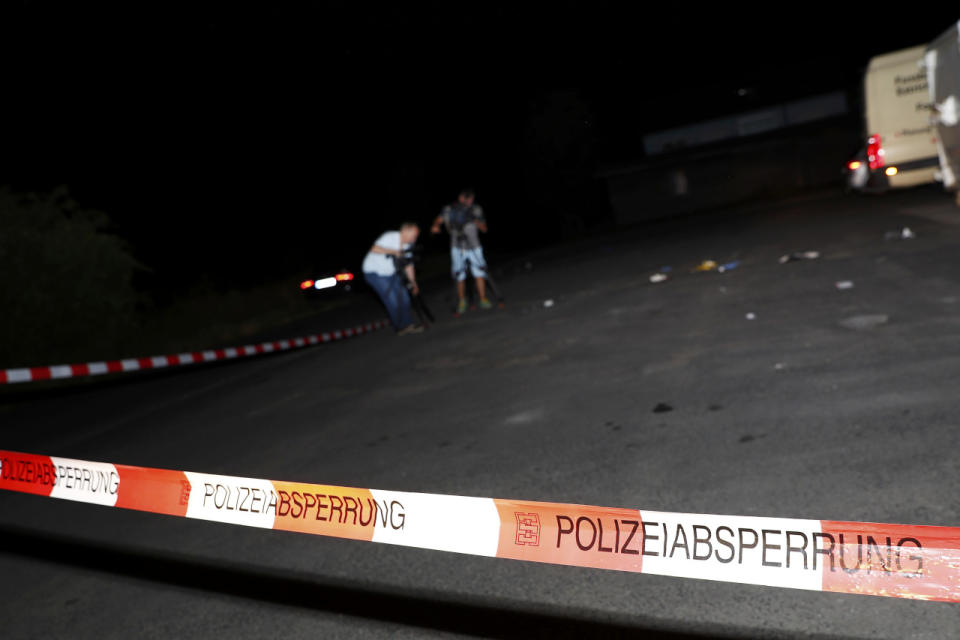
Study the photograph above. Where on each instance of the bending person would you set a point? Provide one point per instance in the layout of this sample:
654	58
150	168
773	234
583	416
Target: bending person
380	272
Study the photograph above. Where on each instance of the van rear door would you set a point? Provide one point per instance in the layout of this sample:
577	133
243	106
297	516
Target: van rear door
899	132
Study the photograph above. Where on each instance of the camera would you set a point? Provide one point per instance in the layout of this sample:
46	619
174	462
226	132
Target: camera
408	256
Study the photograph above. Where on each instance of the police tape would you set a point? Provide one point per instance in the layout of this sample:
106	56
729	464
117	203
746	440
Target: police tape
903	561
60	371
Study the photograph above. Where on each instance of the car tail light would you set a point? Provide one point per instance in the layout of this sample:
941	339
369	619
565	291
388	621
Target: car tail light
325	283
306	284
875	151
344	276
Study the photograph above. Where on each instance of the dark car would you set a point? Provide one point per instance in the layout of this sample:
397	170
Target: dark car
330	283
856	173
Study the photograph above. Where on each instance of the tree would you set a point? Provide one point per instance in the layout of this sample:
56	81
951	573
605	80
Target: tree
66	288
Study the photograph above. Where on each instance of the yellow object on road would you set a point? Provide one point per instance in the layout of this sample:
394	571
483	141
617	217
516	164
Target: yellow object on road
706	265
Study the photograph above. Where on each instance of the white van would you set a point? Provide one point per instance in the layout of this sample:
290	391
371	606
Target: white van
900	143
943	75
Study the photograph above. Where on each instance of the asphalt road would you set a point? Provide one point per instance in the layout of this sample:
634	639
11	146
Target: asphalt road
800	412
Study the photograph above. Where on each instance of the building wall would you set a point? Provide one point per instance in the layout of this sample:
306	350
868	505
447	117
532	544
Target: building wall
769	166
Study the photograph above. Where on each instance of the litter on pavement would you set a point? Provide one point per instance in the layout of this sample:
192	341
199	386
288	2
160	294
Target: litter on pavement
859	323
548	303
658	277
799	255
751	316
706	265
844	284
728	266
662	407
903	233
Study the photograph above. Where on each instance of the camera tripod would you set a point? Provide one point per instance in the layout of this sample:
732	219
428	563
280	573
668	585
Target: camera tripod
417	303
473	294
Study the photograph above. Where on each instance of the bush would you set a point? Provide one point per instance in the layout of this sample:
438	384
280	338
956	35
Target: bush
66	290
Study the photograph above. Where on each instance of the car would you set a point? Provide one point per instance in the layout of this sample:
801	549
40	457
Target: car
330	283
856	172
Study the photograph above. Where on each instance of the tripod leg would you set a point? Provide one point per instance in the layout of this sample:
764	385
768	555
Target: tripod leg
420	316
423	309
493	287
468	273
418	306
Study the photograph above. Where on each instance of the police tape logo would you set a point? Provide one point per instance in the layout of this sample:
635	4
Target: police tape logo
184	492
528	529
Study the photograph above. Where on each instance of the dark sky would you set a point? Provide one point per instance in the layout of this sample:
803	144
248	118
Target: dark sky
257	140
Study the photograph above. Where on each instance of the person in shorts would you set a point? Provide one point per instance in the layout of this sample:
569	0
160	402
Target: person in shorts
464	222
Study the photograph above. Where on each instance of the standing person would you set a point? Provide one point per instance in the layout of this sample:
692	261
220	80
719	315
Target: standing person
380	272
464	221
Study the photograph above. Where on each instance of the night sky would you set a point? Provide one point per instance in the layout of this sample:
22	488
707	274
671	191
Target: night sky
246	143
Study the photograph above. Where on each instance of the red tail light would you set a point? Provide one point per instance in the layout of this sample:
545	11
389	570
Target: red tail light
344	276
306	284
875	151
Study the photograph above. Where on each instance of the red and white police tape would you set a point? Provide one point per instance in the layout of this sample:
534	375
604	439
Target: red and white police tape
902	561
56	372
